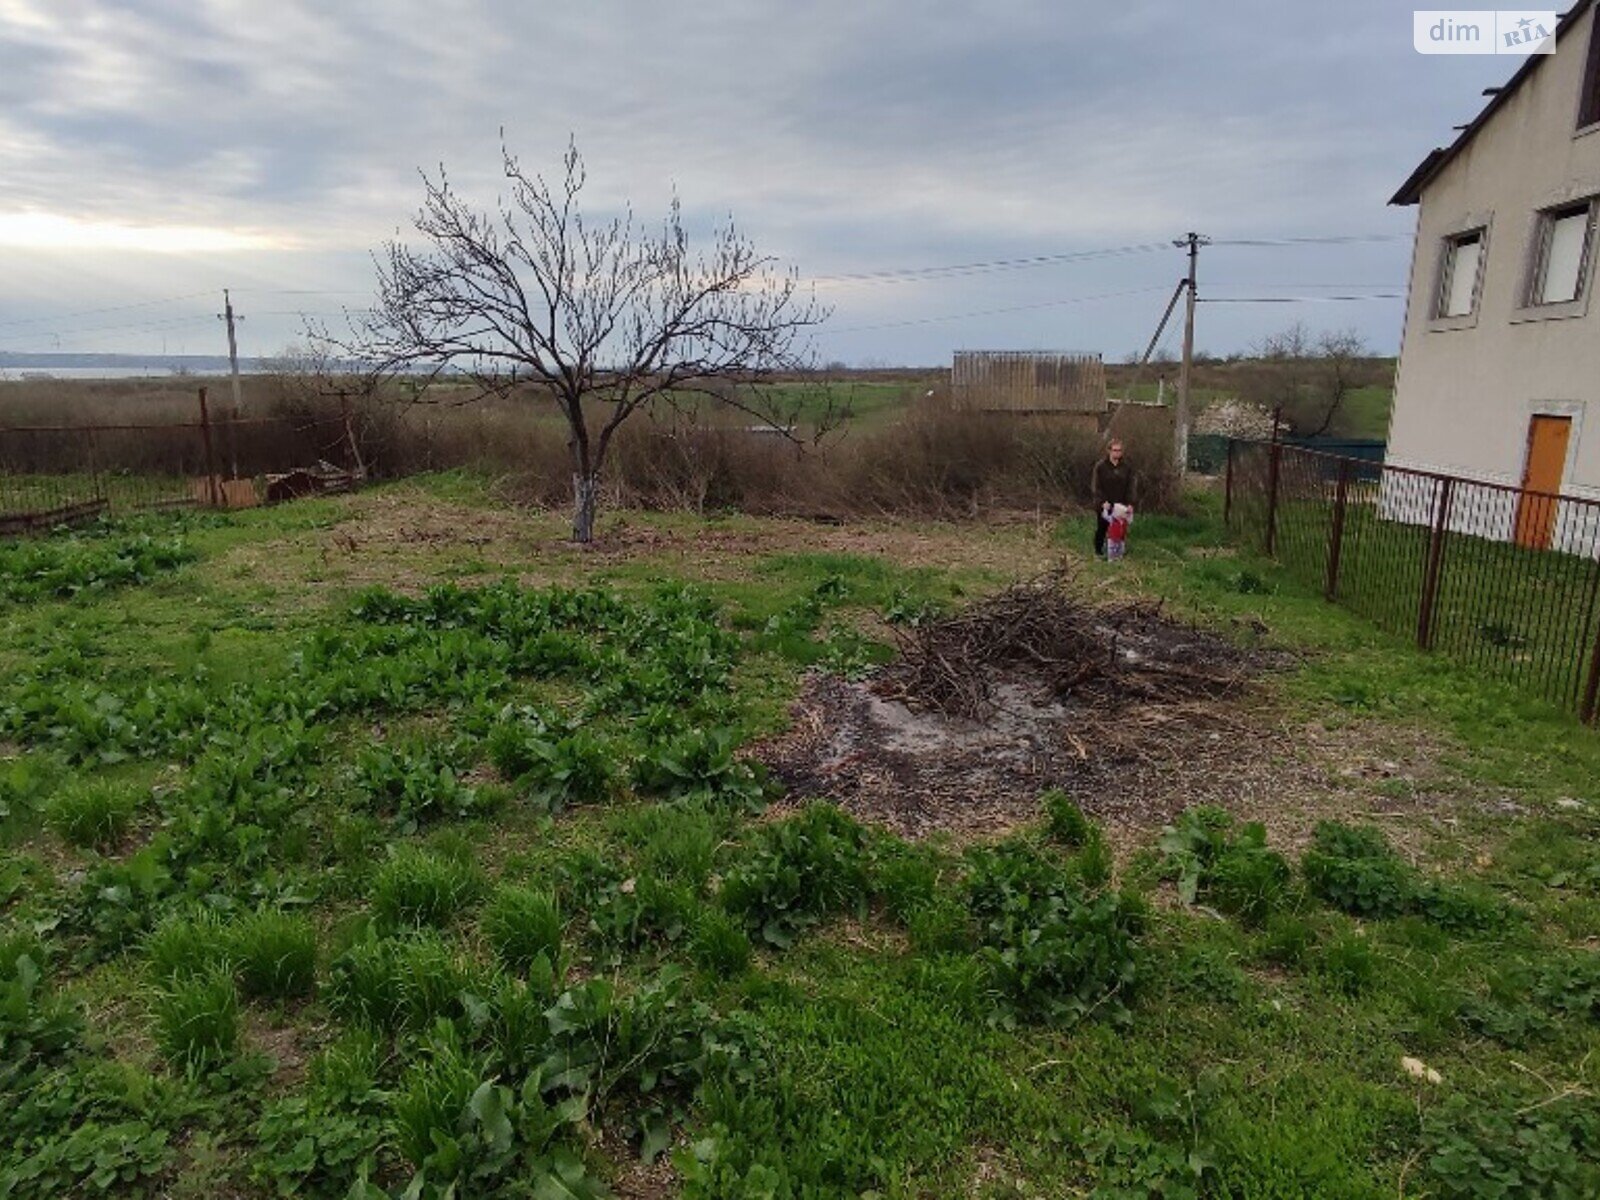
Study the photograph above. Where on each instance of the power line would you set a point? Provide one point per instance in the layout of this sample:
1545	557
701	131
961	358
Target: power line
956	270
92	312
141	326
995	312
905	274
1300	299
1345	239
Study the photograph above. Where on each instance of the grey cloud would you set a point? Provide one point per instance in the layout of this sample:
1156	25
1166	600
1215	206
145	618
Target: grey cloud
846	136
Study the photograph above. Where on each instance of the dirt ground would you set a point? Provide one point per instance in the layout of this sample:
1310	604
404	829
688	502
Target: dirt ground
1133	715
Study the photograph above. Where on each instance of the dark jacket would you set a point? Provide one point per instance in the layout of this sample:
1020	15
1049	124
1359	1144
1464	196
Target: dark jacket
1112	484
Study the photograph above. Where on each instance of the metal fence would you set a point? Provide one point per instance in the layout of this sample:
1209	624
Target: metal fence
1504	579
1208	452
53	475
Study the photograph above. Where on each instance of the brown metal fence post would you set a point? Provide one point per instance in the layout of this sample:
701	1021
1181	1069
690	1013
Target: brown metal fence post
96	480
1274	463
1591	692
1430	578
1336	529
213	484
1227	489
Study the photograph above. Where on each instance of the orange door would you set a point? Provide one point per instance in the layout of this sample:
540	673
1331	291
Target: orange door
1547	459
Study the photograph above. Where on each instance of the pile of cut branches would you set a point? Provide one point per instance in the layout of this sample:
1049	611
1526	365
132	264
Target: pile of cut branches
1044	631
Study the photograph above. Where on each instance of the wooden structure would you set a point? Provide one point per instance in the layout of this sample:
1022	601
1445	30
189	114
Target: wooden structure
1029	381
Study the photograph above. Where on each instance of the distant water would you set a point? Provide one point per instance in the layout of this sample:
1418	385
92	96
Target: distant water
16	374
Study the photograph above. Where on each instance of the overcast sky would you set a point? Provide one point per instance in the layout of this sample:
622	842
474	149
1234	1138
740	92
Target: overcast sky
155	151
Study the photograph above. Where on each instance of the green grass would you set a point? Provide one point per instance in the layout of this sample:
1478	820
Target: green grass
294	968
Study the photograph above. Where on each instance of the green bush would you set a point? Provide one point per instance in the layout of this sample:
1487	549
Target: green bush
188	943
92	812
1536	1147
197	1019
432	1098
1355	870
1348	963
404	982
906	879
674	841
1058	950
700	766
274	954
417	888
1229	868
1064	820
523	925
416	782
1287	940
514	741
1460	908
576	769
794	873
719	944
316	1142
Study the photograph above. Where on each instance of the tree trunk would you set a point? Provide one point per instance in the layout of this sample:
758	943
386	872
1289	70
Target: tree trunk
585	495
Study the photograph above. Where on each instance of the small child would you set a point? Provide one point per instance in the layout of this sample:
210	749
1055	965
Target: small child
1117	531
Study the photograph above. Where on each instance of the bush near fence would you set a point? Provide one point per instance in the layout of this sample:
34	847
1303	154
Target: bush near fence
1505	580
938	460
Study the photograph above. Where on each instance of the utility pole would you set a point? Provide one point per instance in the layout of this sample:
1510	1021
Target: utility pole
1180	418
233	363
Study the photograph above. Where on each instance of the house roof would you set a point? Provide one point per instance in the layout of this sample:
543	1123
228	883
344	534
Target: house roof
1411	190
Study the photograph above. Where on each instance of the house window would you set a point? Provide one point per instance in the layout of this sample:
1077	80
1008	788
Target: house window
1458	278
1589	105
1562	253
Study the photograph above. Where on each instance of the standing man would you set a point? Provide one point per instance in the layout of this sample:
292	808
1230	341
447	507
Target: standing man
1111	483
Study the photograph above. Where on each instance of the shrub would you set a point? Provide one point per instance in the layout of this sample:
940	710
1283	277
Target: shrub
416	888
1460	908
1058	951
92	812
275	954
404	983
700	765
512	742
796	872
1064	820
415	782
1543	1146
188	944
719	944
364	983
431	1099
1231	869
906	879
197	1019
523	925
674	841
1249	880
1348	963
1092	864
575	769
1286	940
1355	870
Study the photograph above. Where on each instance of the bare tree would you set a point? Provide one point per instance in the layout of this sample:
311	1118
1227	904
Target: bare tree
1308	376
600	320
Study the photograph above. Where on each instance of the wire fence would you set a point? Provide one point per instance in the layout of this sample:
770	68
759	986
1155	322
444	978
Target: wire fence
53	475
1504	579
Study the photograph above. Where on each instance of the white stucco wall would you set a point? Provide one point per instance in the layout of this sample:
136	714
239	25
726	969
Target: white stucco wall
1465	390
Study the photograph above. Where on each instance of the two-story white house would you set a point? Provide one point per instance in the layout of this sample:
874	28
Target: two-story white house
1499	373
